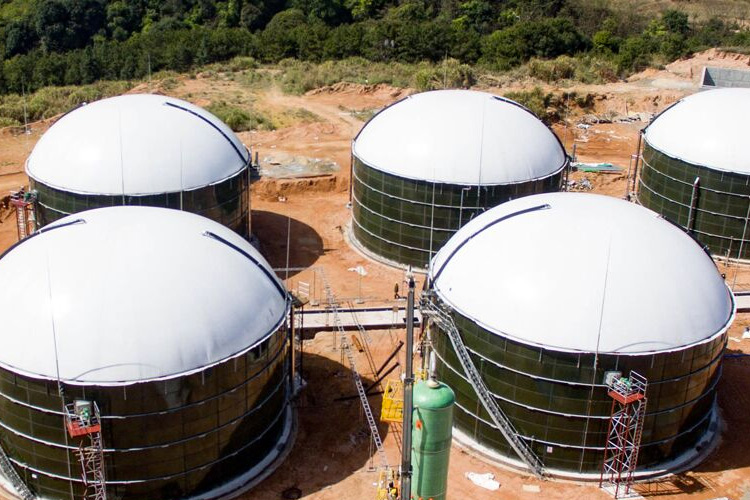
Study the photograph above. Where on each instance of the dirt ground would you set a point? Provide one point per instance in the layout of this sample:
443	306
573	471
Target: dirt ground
331	457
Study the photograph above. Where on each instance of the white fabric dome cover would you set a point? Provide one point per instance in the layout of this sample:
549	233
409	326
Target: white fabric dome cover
132	294
461	137
707	129
135	145
583	272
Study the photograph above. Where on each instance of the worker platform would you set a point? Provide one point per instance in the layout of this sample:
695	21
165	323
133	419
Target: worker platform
371	318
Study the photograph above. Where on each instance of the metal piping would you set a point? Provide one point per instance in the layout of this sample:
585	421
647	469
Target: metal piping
408	389
635	168
693	204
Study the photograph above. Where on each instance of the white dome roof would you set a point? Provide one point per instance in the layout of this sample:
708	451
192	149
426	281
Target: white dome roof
583	272
135	145
708	128
133	294
460	137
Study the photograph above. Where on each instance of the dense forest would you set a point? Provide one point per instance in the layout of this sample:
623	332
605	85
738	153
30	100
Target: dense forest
64	42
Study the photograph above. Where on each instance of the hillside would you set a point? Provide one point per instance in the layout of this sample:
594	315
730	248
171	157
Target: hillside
73	42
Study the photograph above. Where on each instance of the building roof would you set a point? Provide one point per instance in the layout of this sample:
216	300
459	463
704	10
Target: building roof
583	272
135	145
707	129
125	294
460	137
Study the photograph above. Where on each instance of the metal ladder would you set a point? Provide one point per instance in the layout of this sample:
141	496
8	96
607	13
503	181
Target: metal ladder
332	304
445	323
21	222
366	340
361	329
12	475
23	201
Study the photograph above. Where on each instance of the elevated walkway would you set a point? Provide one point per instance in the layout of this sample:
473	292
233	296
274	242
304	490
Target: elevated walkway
370	318
742	300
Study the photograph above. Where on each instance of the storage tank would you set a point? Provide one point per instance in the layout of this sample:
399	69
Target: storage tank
141	149
173	325
550	292
432	423
696	169
429	163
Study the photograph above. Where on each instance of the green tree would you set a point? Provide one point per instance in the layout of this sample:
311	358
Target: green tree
476	15
20	37
635	54
344	41
279	39
546	38
676	21
331	12
123	19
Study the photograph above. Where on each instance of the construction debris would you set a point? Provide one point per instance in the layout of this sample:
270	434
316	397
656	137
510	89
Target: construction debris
596	167
486	481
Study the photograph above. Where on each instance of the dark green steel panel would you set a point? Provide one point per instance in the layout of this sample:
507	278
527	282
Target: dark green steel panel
406	220
722	201
556	399
226	202
166	438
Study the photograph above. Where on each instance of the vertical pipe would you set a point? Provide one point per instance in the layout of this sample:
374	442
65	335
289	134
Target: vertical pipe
432	220
461	207
288	249
293	346
742	241
351	174
627	177
693	203
301	338
249	198
408	401
635	168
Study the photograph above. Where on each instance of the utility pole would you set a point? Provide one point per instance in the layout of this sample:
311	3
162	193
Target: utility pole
408	400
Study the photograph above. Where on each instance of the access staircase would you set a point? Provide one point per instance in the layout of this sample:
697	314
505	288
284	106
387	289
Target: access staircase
445	322
12	475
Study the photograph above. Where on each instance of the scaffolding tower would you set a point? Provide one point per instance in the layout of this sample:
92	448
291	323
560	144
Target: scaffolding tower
624	432
25	205
82	420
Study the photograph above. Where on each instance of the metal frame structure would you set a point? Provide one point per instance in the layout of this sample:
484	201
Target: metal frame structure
82	419
25	205
624	432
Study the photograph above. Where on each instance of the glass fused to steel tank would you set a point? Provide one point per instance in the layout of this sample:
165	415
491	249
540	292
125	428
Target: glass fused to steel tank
428	164
696	169
173	325
552	291
142	150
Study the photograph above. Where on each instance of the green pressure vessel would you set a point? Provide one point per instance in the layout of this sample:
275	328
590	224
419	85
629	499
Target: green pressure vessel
432	428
